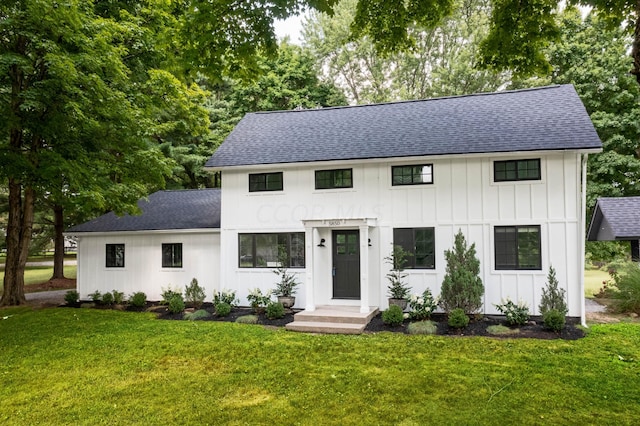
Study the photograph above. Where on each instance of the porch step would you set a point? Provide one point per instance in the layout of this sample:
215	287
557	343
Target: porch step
332	319
326	327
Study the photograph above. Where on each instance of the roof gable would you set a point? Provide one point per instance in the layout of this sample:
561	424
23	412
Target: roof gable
547	118
164	210
615	219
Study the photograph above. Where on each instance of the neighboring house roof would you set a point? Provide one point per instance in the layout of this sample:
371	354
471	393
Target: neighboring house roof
545	118
615	219
183	209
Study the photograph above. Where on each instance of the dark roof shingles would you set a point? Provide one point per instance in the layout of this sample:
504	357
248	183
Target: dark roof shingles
623	215
548	118
183	209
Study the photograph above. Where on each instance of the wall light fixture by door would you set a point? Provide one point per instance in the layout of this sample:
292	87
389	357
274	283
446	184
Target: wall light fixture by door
321	242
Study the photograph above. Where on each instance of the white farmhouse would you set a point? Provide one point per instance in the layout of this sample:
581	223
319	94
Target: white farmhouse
338	187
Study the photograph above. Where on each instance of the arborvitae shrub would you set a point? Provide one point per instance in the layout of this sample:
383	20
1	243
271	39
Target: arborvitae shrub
553	297
462	286
223	309
393	316
176	303
458	318
274	310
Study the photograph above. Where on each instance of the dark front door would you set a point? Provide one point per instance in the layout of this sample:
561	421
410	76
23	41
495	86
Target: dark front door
346	264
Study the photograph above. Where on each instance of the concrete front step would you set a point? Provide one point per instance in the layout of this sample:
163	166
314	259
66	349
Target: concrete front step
332	319
326	327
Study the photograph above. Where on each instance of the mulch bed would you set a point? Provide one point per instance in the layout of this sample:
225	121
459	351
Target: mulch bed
51	285
477	326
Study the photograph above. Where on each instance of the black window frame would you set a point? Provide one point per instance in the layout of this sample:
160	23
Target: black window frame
412	175
521	168
112	257
507	251
409	239
260	182
294	243
174	252
334	176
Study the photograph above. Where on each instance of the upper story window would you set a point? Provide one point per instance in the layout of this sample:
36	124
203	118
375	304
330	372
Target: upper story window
329	179
518	247
412	175
265	182
115	255
262	250
172	255
420	243
510	170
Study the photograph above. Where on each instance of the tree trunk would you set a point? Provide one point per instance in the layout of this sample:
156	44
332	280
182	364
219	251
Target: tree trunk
19	227
58	245
635	46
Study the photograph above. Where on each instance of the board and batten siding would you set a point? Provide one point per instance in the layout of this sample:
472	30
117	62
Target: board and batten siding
463	196
143	269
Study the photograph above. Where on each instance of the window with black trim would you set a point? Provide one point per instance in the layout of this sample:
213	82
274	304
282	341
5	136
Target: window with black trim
518	247
420	243
261	250
511	170
115	256
172	255
265	182
420	174
330	179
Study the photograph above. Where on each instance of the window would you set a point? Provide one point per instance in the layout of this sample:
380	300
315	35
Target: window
412	175
172	255
261	250
517	247
420	243
329	179
265	182
115	256
516	170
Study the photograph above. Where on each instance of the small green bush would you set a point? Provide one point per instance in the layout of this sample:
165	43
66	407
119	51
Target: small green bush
501	330
247	319
223	309
138	299
107	299
274	310
71	297
168	294
118	297
393	316
194	294
96	296
627	283
176	303
515	314
196	315
226	296
553	320
458	319
422	327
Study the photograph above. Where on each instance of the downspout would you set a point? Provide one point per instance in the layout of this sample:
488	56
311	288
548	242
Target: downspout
582	237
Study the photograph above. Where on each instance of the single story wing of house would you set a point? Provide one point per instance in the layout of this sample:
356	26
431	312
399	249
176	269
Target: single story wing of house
337	188
617	219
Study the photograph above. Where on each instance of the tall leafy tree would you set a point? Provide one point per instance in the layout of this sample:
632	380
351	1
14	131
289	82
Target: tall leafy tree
441	61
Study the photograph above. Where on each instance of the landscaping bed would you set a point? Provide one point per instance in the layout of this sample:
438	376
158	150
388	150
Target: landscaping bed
478	326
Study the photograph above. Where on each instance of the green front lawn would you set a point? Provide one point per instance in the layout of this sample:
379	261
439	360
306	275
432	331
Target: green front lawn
80	366
40	274
593	279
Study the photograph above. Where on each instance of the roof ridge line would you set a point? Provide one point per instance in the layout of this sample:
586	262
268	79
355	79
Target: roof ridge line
408	101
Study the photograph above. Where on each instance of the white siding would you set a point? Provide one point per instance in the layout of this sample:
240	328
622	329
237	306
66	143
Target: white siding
463	196
143	269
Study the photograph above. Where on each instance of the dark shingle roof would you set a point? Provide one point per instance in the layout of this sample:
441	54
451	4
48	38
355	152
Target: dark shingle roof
185	209
615	219
547	118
